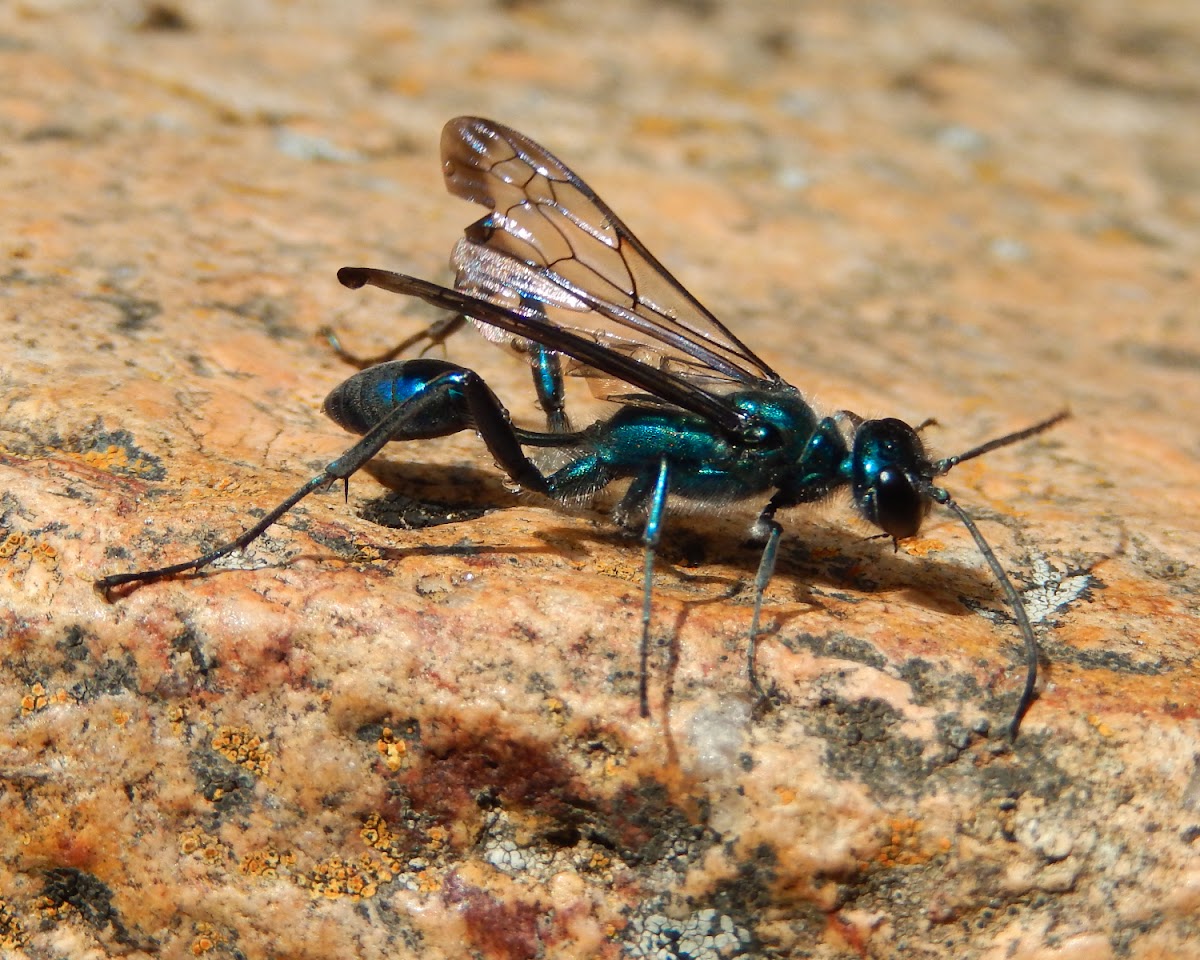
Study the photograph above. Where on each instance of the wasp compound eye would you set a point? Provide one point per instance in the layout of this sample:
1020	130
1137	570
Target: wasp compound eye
894	505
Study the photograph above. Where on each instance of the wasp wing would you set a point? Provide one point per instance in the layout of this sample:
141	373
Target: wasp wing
532	325
530	291
551	241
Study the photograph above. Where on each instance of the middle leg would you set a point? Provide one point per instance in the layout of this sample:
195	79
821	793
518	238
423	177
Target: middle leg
647	492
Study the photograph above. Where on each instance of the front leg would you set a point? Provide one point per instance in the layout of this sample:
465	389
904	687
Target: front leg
808	487
767	531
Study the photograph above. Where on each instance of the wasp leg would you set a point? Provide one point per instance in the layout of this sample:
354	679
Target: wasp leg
434	335
769	528
823	450
409	400
548	384
648	492
547	374
591	471
650	537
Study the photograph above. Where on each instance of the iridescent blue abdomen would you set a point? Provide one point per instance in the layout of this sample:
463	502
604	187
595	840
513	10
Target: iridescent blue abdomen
365	399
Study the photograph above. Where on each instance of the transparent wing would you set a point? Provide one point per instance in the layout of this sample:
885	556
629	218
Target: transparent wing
552	248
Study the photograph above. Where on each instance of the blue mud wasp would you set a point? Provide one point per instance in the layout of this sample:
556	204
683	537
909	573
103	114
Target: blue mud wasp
554	274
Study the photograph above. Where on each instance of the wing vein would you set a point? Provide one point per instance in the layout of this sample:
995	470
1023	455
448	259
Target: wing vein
550	230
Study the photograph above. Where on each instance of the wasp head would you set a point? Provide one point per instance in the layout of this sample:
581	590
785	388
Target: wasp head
890	476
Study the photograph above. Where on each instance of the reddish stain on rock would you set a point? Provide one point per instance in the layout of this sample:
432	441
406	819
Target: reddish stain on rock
520	773
499	930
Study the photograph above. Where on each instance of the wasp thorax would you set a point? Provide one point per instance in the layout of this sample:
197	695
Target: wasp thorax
888	475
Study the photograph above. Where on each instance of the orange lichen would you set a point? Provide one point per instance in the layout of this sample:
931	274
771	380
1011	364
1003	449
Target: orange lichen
12	936
428	881
335	877
375	832
406	853
34	700
437	837
904	846
111	458
924	547
379	836
196	843
11	544
392	749
557	710
238	745
38	699
599	861
205	939
785	794
177	717
1100	726
266	863
45	554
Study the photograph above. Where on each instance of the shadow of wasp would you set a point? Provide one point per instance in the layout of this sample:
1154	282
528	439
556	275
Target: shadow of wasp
552	273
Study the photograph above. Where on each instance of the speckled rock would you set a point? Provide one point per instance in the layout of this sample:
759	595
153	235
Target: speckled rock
408	726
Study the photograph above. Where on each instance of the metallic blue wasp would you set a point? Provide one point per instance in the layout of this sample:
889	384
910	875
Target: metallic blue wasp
554	274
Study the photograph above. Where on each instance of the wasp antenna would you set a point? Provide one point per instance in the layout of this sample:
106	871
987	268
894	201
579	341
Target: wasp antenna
944	466
1010	594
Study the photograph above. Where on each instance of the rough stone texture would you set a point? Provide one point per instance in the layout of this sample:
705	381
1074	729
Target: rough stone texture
374	742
